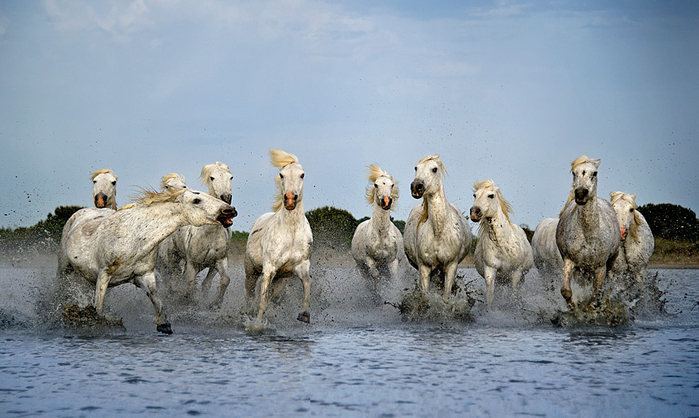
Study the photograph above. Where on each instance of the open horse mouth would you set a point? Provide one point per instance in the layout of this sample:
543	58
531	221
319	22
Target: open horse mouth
226	216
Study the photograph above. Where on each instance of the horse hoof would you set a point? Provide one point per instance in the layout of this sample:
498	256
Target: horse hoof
304	317
164	328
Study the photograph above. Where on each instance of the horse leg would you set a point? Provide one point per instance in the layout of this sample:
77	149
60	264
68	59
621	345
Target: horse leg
301	271
565	287
147	283
393	269
101	290
224	281
373	274
516	278
490	274
449	276
425	272
600	273
190	275
267	276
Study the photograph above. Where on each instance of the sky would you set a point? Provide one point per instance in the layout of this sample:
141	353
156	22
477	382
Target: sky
508	91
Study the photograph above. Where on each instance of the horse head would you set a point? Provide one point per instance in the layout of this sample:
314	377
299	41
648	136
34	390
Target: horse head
173	181
383	190
202	209
584	172
104	188
290	180
625	208
217	177
488	201
428	176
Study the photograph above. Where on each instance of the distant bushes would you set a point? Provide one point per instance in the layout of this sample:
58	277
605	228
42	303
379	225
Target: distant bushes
672	222
46	233
332	227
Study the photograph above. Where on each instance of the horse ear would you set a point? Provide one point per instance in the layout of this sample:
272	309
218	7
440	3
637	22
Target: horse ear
596	162
633	196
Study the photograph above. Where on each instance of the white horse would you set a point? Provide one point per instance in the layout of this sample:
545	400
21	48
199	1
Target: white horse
173	181
377	244
111	248
279	244
547	257
587	234
201	247
637	242
104	188
503	249
436	234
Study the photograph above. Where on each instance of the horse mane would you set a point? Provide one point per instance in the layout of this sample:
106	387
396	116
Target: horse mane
209	168
103	171
172	176
571	197
281	159
583	159
436	158
631	198
150	197
375	172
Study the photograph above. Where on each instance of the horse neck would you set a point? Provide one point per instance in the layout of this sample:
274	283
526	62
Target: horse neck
380	219
589	214
498	227
438	211
155	223
293	218
112	204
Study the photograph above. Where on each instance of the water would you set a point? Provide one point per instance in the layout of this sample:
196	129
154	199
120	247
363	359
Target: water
356	358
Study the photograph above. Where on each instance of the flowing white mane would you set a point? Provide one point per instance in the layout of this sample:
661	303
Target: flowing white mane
150	197
375	172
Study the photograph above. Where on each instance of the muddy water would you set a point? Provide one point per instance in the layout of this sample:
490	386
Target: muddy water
357	357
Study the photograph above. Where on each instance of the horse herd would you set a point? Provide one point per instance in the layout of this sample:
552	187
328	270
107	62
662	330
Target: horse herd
180	232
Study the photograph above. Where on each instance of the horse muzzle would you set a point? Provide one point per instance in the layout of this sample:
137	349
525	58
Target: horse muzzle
386	203
226	198
226	215
581	195
417	189
290	200
623	232
476	214
101	200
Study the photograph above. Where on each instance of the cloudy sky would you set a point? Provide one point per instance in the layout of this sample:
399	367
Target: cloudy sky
512	91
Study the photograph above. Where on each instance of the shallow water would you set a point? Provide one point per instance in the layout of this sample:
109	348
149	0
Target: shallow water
356	358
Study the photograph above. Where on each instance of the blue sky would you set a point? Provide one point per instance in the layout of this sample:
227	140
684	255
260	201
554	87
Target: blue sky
512	91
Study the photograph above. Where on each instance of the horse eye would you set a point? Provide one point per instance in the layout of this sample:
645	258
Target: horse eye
303	175
94	181
212	178
491	196
114	183
594	174
281	175
197	201
415	168
474	195
631	210
434	170
376	186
